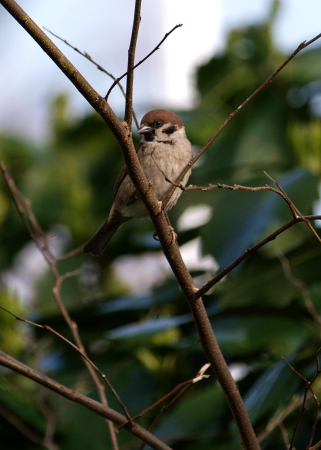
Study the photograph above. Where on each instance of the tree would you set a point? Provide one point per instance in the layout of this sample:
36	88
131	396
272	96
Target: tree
256	313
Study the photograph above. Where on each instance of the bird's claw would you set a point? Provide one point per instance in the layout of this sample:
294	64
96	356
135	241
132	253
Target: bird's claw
174	235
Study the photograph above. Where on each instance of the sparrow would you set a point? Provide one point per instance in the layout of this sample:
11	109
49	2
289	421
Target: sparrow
163	151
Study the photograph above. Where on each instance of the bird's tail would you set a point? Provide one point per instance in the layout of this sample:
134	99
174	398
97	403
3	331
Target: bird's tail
97	244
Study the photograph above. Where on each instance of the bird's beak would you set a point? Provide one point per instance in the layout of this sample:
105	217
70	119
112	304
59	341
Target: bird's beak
145	129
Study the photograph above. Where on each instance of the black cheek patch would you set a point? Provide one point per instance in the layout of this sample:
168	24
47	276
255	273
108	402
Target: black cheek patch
170	129
149	137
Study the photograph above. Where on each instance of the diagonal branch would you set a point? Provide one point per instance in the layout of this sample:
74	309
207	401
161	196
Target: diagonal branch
269	80
295	209
143	60
303	288
182	386
249	251
74	396
99	67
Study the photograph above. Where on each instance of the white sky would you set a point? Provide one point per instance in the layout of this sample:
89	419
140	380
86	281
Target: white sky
29	80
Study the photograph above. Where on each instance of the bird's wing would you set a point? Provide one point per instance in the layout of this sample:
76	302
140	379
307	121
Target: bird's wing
123	174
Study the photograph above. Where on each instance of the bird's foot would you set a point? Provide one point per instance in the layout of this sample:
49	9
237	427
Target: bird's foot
160	205
174	235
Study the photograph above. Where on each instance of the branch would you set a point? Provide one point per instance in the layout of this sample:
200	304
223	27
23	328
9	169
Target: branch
25	430
184	386
81	353
249	251
200	376
41	241
302	288
131	65
293	405
92	405
143	60
295	209
269	80
99	67
308	387
171	251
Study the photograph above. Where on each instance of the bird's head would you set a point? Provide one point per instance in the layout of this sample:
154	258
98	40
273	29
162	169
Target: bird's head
161	125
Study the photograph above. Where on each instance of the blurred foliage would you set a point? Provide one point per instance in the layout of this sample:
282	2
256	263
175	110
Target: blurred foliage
145	341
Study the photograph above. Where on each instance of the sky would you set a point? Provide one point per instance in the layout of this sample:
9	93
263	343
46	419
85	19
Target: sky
29	80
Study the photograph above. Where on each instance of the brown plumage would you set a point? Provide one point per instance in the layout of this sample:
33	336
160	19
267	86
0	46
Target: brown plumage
163	140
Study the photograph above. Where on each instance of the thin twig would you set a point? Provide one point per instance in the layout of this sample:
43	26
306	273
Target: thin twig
285	435
200	376
26	431
293	405
163	411
316	446
308	387
92	405
302	287
164	174
269	80
144	59
83	355
70	254
295	209
248	252
99	67
41	241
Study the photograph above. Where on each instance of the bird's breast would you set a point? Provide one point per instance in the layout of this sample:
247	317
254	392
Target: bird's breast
160	160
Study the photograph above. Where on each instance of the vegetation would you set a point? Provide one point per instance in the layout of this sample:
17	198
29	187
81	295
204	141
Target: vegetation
147	343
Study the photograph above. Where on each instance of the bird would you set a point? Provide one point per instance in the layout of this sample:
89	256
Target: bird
163	152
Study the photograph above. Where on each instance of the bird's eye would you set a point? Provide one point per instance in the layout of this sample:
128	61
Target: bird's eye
158	123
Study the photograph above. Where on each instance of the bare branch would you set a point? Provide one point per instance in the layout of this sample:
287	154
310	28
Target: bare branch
82	354
302	288
295	209
234	113
316	446
99	67
248	252
186	384
143	60
131	65
308	387
293	405
41	241
71	394
26	431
